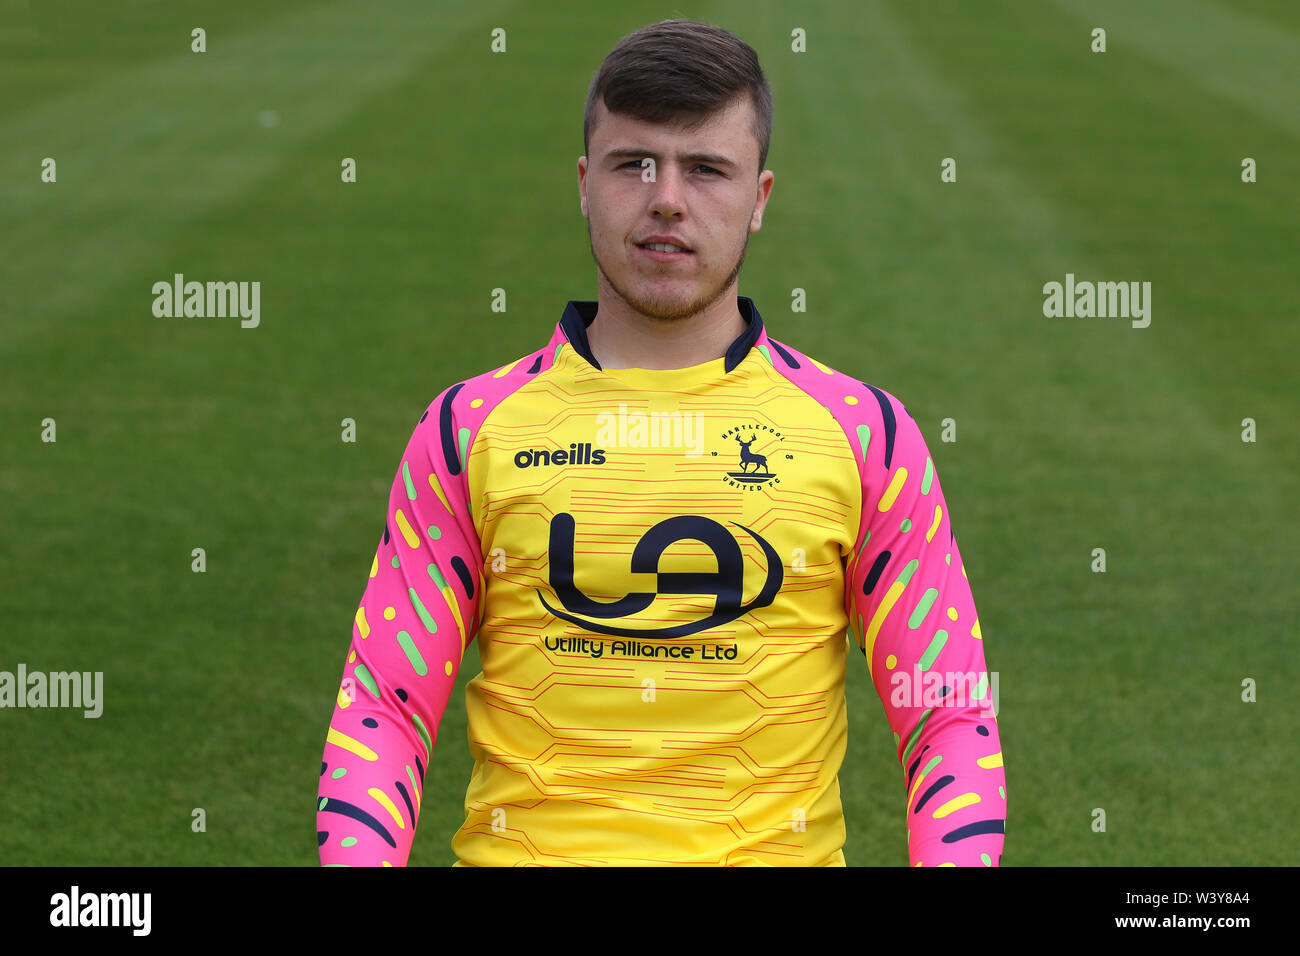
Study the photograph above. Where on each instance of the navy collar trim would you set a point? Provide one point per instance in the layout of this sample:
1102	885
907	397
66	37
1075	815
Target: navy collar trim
579	314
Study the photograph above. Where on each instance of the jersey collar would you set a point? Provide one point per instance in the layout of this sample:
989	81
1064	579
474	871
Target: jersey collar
579	314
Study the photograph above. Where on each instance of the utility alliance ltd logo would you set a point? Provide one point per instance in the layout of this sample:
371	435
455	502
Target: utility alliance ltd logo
726	585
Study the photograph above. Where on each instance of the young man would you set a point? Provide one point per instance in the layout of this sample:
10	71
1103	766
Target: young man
660	527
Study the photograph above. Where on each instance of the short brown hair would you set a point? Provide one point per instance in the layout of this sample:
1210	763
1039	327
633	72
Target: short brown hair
680	72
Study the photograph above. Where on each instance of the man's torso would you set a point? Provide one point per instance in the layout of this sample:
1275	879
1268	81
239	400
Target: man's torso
662	634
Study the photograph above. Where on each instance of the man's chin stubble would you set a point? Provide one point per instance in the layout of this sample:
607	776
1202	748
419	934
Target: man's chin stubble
669	311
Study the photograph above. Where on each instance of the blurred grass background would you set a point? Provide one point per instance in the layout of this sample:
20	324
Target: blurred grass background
1118	690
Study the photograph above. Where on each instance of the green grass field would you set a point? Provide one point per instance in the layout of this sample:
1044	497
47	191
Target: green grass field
1119	691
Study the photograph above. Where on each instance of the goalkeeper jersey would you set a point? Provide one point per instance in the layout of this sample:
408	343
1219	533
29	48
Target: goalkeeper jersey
666	572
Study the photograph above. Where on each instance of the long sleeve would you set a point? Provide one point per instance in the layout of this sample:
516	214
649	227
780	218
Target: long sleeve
415	619
912	611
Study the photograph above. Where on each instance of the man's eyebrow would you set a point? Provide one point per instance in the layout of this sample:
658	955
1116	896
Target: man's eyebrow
633	153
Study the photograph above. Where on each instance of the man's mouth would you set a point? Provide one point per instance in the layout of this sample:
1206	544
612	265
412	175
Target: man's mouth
663	247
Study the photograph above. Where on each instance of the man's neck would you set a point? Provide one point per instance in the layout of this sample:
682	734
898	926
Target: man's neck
620	337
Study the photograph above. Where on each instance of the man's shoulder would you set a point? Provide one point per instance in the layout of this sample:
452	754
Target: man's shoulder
846	396
880	430
452	420
474	397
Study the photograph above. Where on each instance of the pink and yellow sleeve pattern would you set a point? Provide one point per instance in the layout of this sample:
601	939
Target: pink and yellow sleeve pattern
411	628
421	607
912	614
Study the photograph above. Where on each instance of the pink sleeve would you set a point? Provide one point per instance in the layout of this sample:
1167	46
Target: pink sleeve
911	609
416	617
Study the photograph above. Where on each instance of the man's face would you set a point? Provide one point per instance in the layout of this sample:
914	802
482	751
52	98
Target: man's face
706	194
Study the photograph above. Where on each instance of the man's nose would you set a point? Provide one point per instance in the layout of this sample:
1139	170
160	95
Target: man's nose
666	192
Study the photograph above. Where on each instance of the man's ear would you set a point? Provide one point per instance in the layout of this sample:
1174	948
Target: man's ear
582	185
765	181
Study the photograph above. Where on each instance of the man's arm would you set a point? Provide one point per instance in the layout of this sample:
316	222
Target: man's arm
416	617
911	608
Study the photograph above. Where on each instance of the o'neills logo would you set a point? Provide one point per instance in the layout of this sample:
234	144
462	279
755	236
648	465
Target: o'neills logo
577	454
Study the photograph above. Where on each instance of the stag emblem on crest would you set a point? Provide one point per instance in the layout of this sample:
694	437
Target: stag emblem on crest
748	458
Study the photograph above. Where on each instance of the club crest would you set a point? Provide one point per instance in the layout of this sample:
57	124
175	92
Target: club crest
753	448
